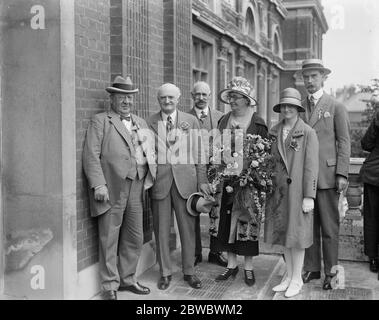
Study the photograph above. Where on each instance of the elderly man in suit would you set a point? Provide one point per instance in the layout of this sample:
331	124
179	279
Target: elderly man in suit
330	120
119	164
208	119
177	178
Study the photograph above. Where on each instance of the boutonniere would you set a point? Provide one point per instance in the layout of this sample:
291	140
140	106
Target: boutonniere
184	126
135	126
319	113
327	114
294	144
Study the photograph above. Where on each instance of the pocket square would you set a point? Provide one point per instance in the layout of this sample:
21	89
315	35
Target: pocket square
327	114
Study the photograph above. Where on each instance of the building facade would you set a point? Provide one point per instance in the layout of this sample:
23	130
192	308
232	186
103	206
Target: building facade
56	59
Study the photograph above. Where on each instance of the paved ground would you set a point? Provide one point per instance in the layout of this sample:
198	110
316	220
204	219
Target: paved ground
360	283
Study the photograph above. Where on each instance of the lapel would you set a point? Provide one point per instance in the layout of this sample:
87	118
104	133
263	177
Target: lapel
116	121
156	124
277	132
320	108
213	118
193	112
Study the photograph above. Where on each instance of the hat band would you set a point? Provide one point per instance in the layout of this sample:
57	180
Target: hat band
313	65
194	201
123	86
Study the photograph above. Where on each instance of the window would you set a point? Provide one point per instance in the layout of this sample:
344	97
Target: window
250	74
201	61
250	24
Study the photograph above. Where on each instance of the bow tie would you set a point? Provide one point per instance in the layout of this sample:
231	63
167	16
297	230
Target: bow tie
127	118
203	115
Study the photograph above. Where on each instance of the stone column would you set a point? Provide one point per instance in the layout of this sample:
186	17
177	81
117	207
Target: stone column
240	63
262	106
271	89
222	61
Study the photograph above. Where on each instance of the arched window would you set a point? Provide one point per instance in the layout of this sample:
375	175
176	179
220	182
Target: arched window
277	47
250	24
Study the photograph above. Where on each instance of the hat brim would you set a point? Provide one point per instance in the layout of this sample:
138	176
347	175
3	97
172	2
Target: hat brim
326	71
117	90
223	95
276	108
189	204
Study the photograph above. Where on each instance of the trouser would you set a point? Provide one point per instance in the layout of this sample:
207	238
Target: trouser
162	210
326	225
212	240
121	231
371	219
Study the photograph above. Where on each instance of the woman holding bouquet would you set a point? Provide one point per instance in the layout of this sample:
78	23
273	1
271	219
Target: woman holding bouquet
232	228
289	216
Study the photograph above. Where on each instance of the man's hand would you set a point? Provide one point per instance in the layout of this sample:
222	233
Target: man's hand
101	193
341	183
308	205
206	189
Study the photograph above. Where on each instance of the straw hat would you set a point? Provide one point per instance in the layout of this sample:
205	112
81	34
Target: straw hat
239	85
121	85
314	64
197	203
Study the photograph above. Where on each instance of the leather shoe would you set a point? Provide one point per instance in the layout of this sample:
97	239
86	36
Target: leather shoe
109	295
193	281
198	259
227	274
164	282
311	275
374	264
136	288
217	258
249	277
327	283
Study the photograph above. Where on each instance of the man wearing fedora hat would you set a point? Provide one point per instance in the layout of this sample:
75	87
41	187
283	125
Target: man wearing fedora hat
330	120
119	167
208	119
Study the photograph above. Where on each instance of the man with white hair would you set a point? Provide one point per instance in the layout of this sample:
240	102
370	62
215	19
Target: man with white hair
175	182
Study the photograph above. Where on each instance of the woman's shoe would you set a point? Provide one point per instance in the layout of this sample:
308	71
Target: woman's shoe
227	274
249	277
293	289
283	286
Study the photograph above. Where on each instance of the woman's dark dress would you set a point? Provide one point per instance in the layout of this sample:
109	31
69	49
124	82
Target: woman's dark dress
243	248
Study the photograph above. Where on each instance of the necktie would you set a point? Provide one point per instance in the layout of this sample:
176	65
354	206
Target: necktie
169	125
127	118
311	103
203	115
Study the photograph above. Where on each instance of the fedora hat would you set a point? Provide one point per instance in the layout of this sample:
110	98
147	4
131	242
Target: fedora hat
197	203
314	64
289	96
239	85
121	85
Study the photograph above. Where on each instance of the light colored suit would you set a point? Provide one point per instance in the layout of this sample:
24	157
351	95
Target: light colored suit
330	120
111	158
174	184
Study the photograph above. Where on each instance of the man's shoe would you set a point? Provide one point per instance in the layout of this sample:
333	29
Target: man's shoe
136	288
311	275
374	264
193	281
227	274
217	258
164	282
327	283
109	295
198	259
249	277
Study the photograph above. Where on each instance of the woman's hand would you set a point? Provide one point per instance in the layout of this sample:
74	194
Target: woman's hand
308	205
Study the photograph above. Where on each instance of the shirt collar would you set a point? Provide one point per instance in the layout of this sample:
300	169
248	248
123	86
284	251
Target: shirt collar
173	116
318	94
198	111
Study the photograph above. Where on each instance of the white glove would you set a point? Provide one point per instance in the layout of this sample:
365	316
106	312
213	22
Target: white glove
308	205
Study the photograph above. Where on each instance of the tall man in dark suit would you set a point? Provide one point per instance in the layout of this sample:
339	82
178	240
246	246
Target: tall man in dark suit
177	178
119	165
208	119
330	120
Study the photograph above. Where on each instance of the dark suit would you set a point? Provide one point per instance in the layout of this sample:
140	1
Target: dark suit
209	123
111	158
331	123
175	182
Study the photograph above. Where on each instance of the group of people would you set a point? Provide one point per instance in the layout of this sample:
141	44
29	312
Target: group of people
311	149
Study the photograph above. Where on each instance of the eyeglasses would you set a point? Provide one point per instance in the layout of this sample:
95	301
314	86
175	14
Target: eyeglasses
234	97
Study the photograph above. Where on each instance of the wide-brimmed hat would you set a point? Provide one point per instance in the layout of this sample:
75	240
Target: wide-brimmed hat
314	64
289	96
239	85
198	203
121	85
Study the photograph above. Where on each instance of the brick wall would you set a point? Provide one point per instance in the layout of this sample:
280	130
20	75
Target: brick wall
92	42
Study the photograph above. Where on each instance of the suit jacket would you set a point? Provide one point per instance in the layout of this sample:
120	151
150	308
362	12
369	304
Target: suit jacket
109	157
330	120
215	116
183	169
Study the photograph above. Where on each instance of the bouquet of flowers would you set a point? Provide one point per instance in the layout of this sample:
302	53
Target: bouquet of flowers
246	173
